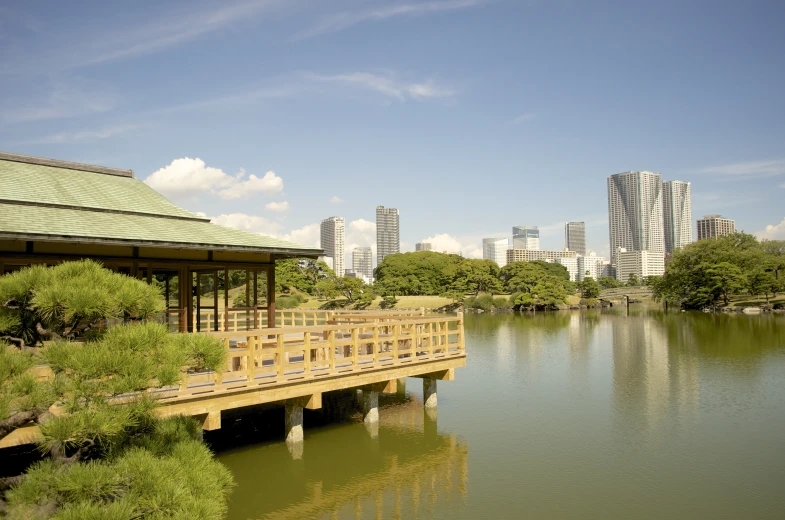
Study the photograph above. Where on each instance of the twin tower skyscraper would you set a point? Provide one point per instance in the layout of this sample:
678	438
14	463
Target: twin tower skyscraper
388	241
646	213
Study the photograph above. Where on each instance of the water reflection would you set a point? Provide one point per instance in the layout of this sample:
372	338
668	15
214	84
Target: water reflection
580	414
403	469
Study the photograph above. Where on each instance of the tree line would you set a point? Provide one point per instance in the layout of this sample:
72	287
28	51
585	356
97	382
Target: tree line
707	273
535	284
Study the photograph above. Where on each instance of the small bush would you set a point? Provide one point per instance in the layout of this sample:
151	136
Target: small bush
484	302
468	302
286	302
500	302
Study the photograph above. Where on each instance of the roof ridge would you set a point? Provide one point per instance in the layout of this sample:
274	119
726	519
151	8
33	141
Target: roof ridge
56	163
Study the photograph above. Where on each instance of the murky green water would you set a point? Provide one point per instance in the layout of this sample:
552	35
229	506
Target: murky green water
559	415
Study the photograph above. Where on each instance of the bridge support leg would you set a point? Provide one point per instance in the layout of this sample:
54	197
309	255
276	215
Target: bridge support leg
401	387
294	423
370	406
429	392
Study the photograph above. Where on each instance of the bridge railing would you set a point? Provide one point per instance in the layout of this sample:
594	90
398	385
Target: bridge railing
278	355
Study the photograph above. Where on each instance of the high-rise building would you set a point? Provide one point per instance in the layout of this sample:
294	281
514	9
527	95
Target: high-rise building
332	240
635	212
712	226
571	264
590	266
525	255
676	214
526	237
388	232
362	261
423	246
495	249
575	237
639	263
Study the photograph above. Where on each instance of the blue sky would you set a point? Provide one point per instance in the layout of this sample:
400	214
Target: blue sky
470	116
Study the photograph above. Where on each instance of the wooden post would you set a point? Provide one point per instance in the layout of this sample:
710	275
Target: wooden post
251	364
396	333
280	355
355	346
226	299
375	345
331	343
307	353
271	295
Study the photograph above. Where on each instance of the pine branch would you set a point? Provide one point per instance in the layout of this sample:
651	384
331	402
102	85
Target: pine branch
15	421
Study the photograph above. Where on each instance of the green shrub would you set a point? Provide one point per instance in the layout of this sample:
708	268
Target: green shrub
484	302
500	302
286	302
468	302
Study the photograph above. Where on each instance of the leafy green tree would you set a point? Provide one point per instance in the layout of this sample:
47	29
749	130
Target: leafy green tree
546	294
290	275
422	272
42	303
633	281
609	282
351	288
589	288
727	279
475	276
326	288
107	454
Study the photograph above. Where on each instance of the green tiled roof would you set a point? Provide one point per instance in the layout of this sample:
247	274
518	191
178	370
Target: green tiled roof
43	199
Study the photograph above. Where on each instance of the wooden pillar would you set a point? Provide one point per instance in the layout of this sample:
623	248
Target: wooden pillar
226	299
186	313
271	295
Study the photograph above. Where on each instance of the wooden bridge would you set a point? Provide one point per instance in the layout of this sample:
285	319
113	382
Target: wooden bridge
307	354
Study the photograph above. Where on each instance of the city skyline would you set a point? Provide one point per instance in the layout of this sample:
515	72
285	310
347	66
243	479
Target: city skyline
457	102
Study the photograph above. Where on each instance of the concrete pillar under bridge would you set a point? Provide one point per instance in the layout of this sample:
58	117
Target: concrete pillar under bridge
293	416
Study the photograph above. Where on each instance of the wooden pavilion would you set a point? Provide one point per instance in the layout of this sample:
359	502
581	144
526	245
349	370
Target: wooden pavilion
52	211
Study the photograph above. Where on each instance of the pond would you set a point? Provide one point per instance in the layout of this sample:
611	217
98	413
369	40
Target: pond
570	414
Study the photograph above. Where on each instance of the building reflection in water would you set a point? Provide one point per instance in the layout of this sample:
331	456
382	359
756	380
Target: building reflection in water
654	380
407	470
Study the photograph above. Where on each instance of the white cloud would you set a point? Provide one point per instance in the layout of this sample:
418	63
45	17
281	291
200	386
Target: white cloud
336	199
750	169
307	235
345	20
266	185
250	223
523	118
278	207
773	231
188	177
387	85
444	243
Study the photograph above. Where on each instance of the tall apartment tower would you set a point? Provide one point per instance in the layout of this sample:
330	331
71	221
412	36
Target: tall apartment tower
575	237
423	246
388	232
332	241
495	249
526	237
635	212
362	261
712	226
676	214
